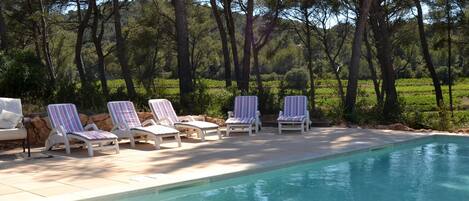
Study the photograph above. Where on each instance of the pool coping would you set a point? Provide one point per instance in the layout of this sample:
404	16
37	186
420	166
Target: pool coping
116	192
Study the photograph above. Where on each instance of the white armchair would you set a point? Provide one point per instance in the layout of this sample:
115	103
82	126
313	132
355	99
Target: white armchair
19	132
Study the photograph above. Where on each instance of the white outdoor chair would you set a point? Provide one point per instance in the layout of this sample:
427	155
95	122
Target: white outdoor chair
127	125
295	114
17	131
67	127
245	115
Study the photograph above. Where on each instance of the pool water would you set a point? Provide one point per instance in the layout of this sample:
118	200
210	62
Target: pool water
432	170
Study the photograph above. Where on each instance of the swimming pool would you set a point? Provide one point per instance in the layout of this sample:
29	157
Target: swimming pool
426	170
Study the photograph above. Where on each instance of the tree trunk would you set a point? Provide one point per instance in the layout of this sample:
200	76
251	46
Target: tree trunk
247	46
374	77
427	56
383	46
36	32
352	85
122	51
309	57
340	86
224	42
83	23
184	67
232	33
45	45
3	31
97	40
257	70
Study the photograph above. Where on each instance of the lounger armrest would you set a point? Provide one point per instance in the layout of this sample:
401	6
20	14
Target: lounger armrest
280	113
230	114
258	113
91	126
186	118
118	127
149	122
59	131
165	122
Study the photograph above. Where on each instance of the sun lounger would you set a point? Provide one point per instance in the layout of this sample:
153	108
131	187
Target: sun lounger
66	127
127	125
164	113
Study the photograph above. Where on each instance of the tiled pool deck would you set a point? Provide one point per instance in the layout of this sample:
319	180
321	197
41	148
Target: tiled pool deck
77	176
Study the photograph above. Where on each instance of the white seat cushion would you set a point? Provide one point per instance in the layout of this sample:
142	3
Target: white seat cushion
197	124
9	119
156	130
12	134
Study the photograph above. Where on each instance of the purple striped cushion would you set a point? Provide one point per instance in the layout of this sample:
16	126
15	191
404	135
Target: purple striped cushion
291	118
123	113
163	109
236	120
94	135
65	115
245	107
295	106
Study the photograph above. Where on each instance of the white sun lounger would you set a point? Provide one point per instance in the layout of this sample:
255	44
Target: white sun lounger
164	113
66	126
128	126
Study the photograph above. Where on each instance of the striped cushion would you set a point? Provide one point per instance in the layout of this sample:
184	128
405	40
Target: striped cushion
236	120
283	118
163	109
65	115
295	106
94	135
123	113
245	107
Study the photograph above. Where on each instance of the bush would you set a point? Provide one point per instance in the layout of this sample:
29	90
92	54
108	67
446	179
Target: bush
270	77
296	78
442	73
22	75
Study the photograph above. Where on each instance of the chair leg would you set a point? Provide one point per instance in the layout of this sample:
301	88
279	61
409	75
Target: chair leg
24	145
132	141
158	141
257	128
116	146
302	128
90	149
279	128
178	139
219	134
202	135
228	130
47	146
250	130
67	147
28	143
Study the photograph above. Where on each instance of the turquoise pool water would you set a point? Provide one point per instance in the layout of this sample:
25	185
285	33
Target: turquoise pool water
424	171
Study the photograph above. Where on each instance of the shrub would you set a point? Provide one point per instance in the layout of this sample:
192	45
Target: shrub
296	78
22	75
442	73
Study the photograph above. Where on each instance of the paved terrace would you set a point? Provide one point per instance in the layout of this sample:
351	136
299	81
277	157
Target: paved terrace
76	176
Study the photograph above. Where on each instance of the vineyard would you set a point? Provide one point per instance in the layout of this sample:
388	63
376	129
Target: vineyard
416	95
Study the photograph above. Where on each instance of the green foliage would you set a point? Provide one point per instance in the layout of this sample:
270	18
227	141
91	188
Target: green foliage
22	75
297	78
442	73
